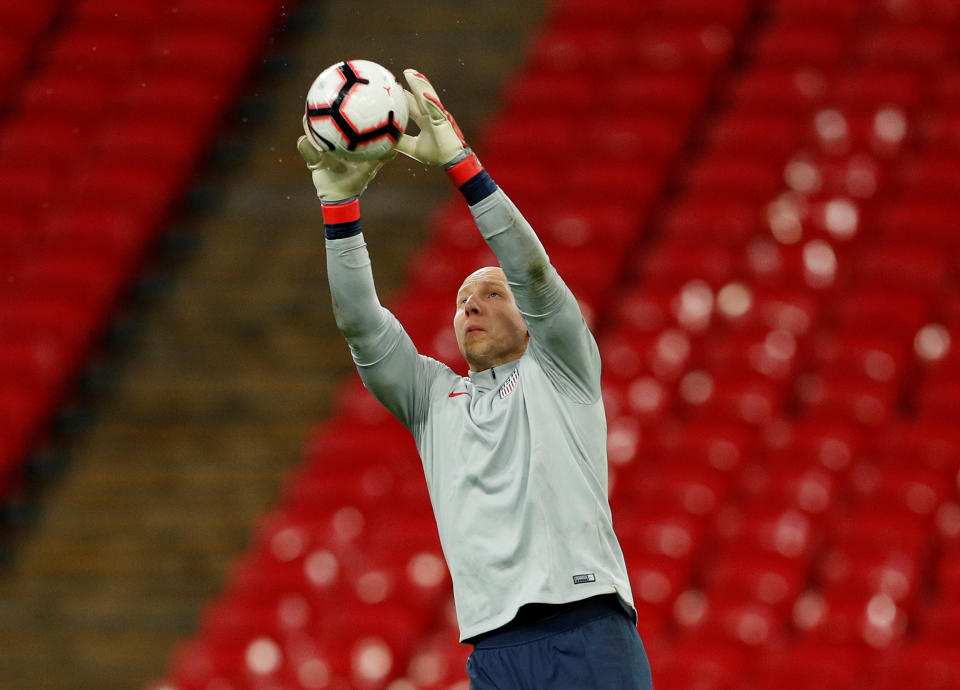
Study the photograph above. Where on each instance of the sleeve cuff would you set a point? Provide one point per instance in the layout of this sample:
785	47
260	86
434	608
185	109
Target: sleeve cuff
471	179
342	212
341	220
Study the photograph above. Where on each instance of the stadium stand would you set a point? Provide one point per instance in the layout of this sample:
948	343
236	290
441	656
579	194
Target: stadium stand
80	78
773	294
765	240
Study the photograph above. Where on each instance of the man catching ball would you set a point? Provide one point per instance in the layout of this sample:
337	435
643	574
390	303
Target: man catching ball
514	454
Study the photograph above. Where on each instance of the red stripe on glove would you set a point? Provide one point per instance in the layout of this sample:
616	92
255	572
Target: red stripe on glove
341	213
464	170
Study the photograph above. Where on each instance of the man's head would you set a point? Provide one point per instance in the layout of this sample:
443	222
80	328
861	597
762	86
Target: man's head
488	325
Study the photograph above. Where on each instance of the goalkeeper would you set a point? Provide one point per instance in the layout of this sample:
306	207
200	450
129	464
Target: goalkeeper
515	453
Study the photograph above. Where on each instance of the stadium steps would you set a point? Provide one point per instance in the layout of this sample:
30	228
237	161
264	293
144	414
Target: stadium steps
237	359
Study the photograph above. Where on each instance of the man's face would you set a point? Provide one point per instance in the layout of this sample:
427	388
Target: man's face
488	325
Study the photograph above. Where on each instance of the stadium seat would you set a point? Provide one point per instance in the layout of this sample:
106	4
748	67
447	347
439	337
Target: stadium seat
780	90
899	45
699	664
695	49
774	136
116	53
807	666
731	221
120	17
817	12
26	18
925	665
678	96
738	177
809	488
881	309
771	581
809	45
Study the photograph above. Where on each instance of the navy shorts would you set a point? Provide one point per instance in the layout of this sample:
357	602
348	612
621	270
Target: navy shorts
592	645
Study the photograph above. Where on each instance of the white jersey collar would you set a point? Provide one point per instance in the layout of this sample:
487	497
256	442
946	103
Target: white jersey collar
494	376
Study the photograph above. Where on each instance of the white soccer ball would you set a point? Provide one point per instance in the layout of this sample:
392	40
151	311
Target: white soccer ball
356	109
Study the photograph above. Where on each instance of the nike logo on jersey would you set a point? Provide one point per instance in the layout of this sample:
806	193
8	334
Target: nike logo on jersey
453	395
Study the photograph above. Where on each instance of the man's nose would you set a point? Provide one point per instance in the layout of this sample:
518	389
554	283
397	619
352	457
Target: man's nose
471	305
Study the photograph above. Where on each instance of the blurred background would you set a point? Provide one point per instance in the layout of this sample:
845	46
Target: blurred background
756	202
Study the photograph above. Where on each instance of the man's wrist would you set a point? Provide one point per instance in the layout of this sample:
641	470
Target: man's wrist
462	167
341	218
341	211
470	178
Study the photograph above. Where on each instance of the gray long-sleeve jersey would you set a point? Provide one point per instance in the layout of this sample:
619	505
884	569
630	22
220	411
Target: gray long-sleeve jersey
515	456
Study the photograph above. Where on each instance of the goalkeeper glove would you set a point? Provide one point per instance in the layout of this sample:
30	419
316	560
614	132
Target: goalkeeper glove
336	179
440	142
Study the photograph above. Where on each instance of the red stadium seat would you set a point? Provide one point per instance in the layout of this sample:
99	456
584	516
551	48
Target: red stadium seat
577	51
639	139
806	666
781	90
817	12
546	93
924	665
729	13
251	19
738	397
919	443
96	51
671	266
703	664
872	622
770	531
806	45
935	173
26	19
745	624
809	488
174	147
882	309
899	45
189	97
739	177
89	95
771	581
730	221
942	131
771	135
660	533
142	191
25	187
120	17
675	95
852	355
875	87
685	487
220	55
931	222
694	49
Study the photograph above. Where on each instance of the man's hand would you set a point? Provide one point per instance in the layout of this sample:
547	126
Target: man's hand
440	141
337	179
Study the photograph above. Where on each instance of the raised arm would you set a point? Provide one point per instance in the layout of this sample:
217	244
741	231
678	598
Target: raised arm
386	358
559	335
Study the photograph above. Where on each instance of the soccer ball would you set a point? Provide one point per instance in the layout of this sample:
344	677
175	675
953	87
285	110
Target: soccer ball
356	109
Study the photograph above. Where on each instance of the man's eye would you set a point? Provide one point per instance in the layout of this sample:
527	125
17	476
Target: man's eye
494	294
